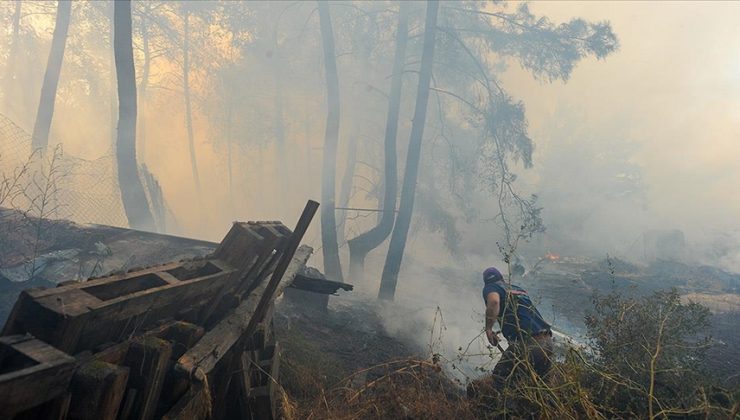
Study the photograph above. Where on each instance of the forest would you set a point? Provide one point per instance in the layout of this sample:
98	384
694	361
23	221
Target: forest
586	150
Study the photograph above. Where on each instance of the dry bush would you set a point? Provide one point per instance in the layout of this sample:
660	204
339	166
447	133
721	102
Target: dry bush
644	362
644	351
28	206
408	388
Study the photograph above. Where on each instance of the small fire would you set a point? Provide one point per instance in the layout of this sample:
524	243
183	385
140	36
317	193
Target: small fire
552	256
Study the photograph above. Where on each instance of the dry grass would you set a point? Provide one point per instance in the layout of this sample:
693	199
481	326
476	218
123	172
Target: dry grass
419	389
408	388
333	371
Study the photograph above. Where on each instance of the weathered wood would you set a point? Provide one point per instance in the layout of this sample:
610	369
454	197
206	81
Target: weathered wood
97	390
242	247
263	397
319	285
216	349
194	405
291	246
239	245
84	315
267	326
275	242
128	345
114	354
243	384
147	359
208	352
250	274
127	406
308	300
220	385
31	373
182	335
264	335
55	409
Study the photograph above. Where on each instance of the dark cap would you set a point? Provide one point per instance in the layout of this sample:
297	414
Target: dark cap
491	274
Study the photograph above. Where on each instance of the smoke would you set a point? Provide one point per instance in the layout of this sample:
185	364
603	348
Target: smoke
665	106
645	139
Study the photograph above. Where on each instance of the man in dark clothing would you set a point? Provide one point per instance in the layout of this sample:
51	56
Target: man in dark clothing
529	336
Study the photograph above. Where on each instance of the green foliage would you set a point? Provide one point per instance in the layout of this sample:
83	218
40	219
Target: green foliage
547	50
649	352
436	217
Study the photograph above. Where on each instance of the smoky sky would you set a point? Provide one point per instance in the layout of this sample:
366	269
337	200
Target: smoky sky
662	112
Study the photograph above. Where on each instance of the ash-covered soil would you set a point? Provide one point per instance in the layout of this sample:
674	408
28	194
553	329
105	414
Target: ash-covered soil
321	349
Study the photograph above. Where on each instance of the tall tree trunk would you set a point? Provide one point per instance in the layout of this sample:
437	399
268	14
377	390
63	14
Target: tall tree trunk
132	191
51	77
279	122
188	106
345	189
9	82
229	166
113	100
332	265
143	86
361	245
401	230
308	180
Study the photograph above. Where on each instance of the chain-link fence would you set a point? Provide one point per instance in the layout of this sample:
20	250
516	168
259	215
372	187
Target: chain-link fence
80	190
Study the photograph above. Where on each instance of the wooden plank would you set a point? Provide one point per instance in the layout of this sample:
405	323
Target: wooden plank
319	285
84	315
31	373
273	242
307	300
274	380
200	360
243	383
114	354
239	245
264	396
220	385
183	336
194	405
301	227
147	359
257	254
97	390
259	403
55	409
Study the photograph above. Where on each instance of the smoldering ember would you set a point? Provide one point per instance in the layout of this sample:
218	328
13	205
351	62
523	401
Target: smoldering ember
330	209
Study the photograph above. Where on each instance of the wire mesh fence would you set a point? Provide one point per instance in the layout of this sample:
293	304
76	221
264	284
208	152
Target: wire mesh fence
84	191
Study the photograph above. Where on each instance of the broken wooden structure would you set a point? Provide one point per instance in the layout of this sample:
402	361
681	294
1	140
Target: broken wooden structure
311	289
184	340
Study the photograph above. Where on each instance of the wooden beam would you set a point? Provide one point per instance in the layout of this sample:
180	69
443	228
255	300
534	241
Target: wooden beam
263	395
97	391
84	315
55	409
243	383
200	360
33	373
194	405
147	360
301	227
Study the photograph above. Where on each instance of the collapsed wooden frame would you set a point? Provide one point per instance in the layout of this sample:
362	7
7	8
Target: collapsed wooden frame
189	339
